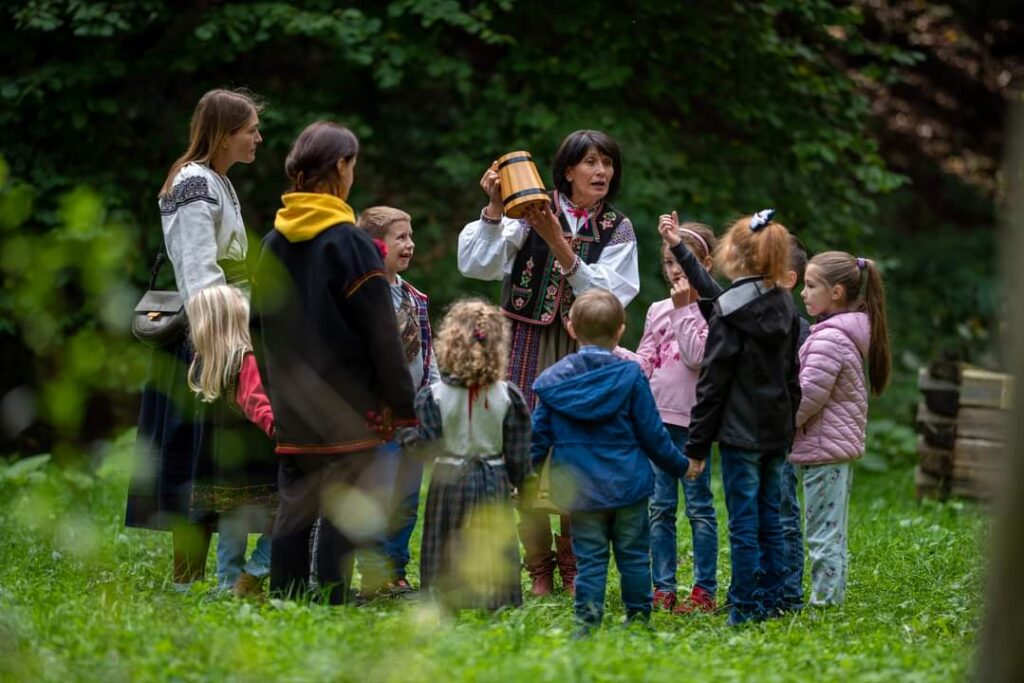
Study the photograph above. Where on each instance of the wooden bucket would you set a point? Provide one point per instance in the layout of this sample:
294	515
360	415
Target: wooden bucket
521	185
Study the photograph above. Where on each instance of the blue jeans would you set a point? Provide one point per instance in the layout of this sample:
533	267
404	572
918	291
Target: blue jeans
752	495
700	510
405	502
628	531
373	561
792	540
232	541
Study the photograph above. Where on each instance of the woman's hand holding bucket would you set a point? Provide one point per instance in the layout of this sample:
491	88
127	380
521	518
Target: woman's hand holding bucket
490	182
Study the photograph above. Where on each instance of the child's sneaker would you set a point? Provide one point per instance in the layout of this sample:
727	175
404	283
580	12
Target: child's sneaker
699	600
248	586
664	600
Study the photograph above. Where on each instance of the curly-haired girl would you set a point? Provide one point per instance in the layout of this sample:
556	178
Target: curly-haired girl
470	556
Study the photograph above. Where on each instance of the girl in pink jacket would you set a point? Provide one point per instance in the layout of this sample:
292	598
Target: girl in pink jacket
845	293
670	352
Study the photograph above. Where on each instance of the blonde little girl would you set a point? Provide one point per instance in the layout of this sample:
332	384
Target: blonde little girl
846	294
470	555
235	483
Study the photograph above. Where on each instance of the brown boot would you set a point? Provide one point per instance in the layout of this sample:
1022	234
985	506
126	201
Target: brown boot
535	533
566	563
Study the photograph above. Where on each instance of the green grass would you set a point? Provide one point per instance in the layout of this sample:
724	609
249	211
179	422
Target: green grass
83	598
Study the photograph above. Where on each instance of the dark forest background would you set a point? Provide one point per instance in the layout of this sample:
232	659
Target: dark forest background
873	126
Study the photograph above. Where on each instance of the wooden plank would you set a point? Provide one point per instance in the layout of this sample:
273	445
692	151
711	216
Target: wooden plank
935	461
937	430
940	396
941	430
980	452
985	388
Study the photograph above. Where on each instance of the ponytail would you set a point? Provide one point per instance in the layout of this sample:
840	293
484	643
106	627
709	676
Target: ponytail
761	249
862	286
771	256
873	303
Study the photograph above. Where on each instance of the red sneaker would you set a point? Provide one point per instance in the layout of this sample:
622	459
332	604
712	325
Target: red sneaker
664	600
699	600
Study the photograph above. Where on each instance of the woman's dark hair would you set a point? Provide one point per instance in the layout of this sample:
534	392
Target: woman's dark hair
313	159
571	152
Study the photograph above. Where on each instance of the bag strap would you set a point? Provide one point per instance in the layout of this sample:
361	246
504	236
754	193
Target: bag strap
158	262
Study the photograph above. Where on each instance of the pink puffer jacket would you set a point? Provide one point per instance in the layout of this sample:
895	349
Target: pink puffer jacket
833	413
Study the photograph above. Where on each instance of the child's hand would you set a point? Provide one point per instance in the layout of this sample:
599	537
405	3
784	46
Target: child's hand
668	228
695	469
680	293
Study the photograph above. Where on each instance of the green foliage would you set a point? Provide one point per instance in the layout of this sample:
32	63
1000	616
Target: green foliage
82	598
721	108
890	445
67	298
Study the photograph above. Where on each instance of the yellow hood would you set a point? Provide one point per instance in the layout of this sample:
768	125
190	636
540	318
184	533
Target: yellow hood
306	214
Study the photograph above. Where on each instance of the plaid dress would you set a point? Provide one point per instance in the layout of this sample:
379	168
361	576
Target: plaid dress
470	554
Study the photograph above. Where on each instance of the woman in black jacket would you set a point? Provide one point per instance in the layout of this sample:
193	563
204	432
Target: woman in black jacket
333	364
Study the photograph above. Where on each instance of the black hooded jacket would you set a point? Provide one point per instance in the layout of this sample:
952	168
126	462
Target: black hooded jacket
749	386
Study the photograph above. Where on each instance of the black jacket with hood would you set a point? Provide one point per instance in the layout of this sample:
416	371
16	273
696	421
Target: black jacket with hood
749	386
324	332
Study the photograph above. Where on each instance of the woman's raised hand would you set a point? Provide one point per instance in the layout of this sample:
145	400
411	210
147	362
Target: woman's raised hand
544	223
668	228
490	182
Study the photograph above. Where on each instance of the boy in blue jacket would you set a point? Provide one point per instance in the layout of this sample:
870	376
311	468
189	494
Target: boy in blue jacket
596	415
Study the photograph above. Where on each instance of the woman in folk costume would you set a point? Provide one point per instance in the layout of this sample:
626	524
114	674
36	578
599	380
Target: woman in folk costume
206	243
469	556
544	261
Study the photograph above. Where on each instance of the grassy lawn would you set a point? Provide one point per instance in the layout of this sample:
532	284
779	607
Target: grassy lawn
83	598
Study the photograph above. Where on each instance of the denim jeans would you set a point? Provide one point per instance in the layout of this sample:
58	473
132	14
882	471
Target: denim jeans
752	495
232	541
628	531
373	561
405	502
827	497
792	540
700	510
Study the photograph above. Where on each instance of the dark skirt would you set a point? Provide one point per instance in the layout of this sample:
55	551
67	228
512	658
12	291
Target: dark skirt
237	472
535	348
171	436
470	553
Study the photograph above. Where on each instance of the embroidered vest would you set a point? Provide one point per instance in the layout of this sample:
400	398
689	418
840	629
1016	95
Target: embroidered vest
426	337
535	292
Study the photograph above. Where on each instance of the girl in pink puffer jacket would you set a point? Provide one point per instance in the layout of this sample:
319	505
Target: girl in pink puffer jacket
845	293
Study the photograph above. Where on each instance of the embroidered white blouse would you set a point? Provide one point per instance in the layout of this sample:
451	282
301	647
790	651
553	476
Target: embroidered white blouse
202	224
487	252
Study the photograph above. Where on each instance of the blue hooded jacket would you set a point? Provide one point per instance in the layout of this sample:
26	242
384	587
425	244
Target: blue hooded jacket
597	414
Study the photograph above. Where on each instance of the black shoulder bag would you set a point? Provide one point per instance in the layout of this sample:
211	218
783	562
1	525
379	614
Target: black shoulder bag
159	319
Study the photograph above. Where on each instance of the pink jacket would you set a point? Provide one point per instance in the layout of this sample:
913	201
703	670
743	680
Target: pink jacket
670	353
833	413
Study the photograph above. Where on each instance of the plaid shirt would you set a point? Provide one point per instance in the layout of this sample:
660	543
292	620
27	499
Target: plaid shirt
426	334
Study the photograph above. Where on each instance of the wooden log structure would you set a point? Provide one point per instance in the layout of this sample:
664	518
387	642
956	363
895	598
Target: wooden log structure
963	428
